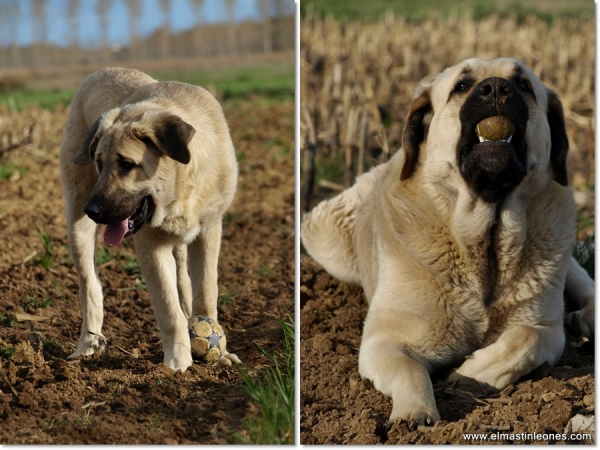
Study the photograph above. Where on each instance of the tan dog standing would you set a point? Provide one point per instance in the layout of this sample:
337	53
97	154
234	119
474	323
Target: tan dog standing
461	244
152	159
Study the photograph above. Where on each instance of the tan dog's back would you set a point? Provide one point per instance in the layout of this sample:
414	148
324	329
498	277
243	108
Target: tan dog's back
106	89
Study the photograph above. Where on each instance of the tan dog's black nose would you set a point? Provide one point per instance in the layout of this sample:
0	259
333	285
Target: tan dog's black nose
93	210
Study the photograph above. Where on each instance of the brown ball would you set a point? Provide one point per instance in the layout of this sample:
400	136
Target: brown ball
496	128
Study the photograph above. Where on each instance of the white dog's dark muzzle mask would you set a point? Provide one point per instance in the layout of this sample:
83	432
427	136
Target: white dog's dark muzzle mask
493	168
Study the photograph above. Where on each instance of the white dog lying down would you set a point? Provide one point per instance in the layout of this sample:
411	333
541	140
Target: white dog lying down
462	241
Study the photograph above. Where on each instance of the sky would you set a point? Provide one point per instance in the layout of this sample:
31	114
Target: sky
181	18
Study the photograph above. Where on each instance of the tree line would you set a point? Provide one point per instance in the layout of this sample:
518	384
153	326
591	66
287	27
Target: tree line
272	32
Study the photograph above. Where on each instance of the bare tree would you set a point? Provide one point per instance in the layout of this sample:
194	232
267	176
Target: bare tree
165	6
39	15
197	7
13	14
4	27
134	9
102	9
231	34
266	26
282	8
73	15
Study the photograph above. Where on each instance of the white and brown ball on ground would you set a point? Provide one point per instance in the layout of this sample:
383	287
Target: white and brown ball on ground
207	339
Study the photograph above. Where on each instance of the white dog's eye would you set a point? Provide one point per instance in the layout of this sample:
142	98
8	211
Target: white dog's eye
523	85
462	86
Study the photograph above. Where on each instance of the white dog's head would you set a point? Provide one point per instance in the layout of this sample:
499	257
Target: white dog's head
442	127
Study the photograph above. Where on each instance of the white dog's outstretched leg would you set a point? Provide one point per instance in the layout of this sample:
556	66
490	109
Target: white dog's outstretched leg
159	270
82	242
399	376
580	288
204	257
517	352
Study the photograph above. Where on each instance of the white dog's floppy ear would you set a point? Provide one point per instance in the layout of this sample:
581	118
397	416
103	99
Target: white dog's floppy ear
415	131
166	133
559	139
90	143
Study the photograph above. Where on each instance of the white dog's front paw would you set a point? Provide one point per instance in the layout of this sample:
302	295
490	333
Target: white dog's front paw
486	371
422	414
227	358
89	344
583	321
470	384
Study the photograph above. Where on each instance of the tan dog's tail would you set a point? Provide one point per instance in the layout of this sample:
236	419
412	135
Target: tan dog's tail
329	231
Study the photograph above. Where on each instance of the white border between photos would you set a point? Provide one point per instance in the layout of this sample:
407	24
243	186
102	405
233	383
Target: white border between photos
596	172
297	218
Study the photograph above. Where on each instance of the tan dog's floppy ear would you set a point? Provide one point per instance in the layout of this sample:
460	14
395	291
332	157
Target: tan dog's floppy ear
559	139
167	133
90	143
415	132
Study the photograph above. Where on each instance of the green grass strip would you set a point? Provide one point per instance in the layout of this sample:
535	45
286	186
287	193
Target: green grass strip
273	391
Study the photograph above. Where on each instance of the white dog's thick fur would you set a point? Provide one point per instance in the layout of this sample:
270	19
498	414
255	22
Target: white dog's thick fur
463	263
154	159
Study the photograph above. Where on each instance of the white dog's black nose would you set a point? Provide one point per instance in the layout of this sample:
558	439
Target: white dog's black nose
495	89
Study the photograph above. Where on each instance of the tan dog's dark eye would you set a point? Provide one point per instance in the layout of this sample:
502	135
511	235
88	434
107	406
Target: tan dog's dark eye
126	166
99	165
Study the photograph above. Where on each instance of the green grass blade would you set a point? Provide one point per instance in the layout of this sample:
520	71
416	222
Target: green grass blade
273	390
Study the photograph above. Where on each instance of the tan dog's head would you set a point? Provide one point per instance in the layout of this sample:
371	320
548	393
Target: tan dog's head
443	120
131	147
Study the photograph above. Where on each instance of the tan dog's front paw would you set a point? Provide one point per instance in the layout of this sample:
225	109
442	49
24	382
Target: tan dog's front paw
89	343
227	358
177	353
178	363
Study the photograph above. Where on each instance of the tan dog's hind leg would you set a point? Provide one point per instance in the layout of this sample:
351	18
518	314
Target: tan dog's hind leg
517	352
160	272
204	256
184	286
397	375
580	288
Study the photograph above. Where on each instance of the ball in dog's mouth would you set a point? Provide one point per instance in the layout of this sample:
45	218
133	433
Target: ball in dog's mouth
495	128
116	232
494	153
493	156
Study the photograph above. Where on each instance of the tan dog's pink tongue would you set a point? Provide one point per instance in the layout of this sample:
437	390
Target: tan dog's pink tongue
114	233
